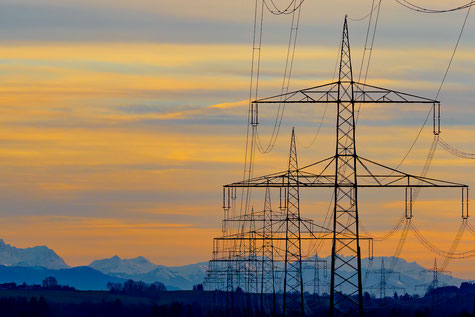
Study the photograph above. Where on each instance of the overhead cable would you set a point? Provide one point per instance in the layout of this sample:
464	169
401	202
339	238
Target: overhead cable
436	250
454	245
454	151
253	91
417	8
276	11
370	49
439	89
446	146
387	235
322	119
294	27
373	8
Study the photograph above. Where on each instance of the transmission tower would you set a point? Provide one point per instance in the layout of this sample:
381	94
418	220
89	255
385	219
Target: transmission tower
351	172
383	285
293	281
268	283
277	237
433	285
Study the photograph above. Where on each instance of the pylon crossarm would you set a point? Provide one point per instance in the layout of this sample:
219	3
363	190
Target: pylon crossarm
259	216
399	179
324	235
363	93
318	94
375	175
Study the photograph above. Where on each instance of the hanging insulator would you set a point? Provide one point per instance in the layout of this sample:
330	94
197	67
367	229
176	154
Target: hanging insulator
464	203
436	118
226	198
409	203
254	114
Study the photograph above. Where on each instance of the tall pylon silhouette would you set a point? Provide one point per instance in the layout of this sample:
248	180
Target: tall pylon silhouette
268	283
346	254
293	281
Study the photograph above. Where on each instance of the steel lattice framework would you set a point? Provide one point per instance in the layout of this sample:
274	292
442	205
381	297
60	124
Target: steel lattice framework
293	280
383	285
345	172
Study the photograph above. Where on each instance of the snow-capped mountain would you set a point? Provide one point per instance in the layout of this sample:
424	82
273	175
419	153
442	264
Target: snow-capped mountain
116	265
35	256
178	277
192	272
401	276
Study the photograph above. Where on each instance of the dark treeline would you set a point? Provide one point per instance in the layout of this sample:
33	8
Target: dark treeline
49	282
137	288
134	299
38	307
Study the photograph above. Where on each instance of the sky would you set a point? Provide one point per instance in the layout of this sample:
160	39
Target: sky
121	120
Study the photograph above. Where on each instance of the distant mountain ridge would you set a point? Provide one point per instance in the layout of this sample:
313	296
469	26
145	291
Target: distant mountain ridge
116	265
31	265
177	277
81	277
35	256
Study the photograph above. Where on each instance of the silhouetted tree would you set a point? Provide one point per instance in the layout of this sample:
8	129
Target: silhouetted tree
198	287
114	287
157	286
50	282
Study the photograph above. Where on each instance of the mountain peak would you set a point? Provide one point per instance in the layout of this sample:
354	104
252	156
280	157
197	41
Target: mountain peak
34	256
116	265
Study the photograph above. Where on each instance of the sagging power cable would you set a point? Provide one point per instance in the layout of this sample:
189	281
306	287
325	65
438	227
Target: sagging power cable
454	151
294	27
276	11
373	8
417	8
454	245
436	250
387	235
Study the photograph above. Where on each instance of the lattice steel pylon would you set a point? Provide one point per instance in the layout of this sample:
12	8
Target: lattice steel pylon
437	273
383	285
346	254
268	284
252	263
293	281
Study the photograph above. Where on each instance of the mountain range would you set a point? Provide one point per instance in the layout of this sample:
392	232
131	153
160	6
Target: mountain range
36	256
32	265
141	269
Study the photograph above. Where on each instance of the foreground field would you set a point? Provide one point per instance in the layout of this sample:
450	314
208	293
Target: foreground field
449	301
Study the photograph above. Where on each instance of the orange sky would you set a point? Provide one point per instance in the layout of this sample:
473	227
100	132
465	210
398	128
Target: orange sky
117	135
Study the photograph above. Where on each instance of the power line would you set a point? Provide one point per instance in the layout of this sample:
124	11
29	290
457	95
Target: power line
389	234
453	53
436	250
370	49
367	15
439	89
317	132
285	82
417	8
287	10
454	151
443	143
